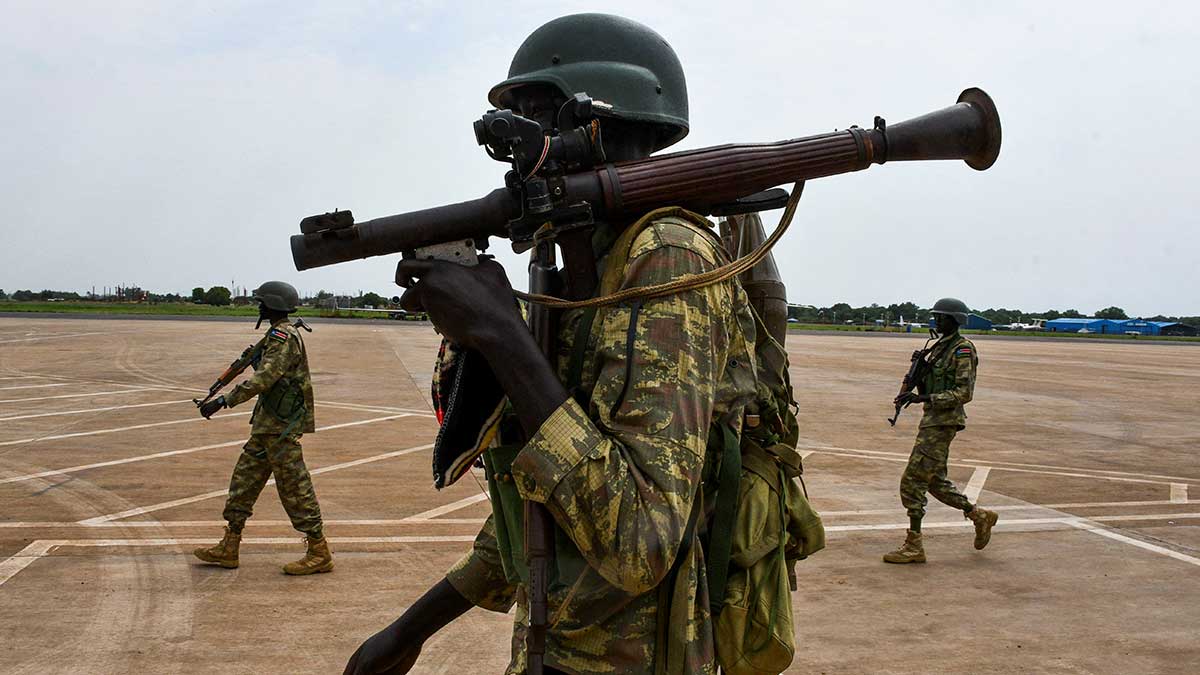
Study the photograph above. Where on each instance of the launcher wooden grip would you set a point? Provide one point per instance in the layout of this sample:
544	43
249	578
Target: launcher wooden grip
710	176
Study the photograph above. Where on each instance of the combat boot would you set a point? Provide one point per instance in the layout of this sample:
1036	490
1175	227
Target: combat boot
225	553
984	521
316	559
911	552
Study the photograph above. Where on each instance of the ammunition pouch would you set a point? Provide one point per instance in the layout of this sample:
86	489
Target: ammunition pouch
284	400
508	517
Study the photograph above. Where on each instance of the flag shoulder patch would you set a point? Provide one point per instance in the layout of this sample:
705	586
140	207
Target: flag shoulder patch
278	334
963	351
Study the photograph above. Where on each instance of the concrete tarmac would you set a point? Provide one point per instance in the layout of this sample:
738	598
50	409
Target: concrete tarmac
108	478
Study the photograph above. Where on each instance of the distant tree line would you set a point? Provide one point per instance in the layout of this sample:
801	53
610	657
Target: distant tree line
839	312
842	312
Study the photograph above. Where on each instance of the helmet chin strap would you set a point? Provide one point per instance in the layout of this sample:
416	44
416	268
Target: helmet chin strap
262	314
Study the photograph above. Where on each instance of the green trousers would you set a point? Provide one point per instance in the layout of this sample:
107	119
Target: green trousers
926	472
263	455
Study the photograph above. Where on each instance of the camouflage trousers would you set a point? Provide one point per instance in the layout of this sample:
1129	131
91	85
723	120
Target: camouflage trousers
263	455
926	472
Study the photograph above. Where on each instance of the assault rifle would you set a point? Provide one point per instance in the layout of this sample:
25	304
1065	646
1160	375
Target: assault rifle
917	370
250	357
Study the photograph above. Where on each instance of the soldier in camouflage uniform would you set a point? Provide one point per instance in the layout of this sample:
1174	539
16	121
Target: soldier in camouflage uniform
282	414
619	464
949	386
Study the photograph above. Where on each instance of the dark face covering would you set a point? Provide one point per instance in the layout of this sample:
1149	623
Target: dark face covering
268	315
944	324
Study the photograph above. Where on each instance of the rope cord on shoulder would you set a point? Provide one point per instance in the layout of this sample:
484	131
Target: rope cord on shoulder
686	283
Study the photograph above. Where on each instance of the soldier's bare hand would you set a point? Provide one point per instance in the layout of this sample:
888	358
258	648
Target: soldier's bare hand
381	654
469	305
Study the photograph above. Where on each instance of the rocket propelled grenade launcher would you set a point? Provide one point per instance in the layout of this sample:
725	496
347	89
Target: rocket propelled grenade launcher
561	178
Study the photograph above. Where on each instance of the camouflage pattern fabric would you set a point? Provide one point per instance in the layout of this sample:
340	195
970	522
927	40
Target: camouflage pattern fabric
951	382
926	472
262	456
621	474
274	445
283	361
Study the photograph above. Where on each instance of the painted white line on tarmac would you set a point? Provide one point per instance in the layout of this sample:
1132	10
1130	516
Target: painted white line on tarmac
92	410
218	493
1014	522
94	393
171	453
391	522
49	337
43	547
36	386
933	508
448	508
252	523
23	558
1179	493
367	406
57	437
975	485
999	464
1161	550
896	457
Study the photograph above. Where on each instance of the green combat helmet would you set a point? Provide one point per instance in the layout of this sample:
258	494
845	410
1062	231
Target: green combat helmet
629	70
952	307
277	295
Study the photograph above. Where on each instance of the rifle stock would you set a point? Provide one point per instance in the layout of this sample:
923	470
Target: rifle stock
700	180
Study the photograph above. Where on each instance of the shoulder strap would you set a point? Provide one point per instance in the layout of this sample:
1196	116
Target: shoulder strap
618	257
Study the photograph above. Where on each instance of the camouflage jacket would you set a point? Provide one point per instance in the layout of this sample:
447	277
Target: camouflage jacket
621	472
284	365
951	382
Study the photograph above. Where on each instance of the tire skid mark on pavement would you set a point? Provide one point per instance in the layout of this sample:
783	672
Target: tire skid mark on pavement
36	386
219	493
172	453
51	337
43	547
1068	472
93	393
77	434
92	410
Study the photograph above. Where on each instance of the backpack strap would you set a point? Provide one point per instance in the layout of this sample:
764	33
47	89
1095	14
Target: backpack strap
578	354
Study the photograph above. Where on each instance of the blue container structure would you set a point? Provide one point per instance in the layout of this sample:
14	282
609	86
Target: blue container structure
974	322
1143	327
1120	327
1092	325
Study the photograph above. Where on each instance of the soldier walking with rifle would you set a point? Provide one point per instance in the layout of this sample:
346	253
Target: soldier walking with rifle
283	413
944	377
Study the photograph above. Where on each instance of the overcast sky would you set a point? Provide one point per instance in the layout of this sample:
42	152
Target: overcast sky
170	145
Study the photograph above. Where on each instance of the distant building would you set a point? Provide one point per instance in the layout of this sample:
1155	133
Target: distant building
1090	325
1176	329
1142	327
1120	327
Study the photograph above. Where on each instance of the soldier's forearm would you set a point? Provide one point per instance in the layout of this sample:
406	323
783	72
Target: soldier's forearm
525	375
430	613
